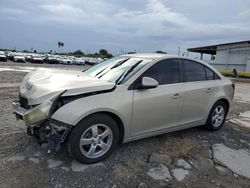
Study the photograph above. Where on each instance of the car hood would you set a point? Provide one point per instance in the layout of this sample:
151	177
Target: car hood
42	84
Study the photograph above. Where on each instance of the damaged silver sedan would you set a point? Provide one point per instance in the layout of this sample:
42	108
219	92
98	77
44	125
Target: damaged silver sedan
119	100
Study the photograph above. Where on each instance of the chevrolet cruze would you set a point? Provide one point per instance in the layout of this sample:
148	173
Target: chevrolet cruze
122	99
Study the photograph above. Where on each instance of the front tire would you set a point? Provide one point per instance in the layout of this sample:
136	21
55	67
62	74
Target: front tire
217	116
93	139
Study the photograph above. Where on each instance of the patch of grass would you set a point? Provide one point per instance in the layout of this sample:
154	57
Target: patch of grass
240	73
176	147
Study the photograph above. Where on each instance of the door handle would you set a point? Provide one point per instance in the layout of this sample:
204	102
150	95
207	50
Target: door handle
176	96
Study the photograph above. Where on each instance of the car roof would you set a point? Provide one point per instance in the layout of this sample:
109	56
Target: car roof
154	56
146	55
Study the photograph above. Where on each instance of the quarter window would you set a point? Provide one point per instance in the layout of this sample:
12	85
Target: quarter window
210	74
165	71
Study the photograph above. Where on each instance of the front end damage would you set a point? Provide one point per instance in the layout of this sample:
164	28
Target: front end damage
39	122
43	91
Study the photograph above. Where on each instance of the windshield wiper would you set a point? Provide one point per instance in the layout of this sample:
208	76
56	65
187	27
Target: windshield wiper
125	73
114	66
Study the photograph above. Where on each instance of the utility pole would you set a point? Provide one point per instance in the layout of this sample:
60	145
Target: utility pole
179	50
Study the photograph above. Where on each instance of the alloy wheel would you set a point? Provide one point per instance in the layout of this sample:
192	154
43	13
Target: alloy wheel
218	116
96	141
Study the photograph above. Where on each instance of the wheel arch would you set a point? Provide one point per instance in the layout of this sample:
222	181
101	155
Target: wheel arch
115	117
225	101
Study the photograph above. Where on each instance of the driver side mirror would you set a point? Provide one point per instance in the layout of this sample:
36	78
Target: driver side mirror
148	83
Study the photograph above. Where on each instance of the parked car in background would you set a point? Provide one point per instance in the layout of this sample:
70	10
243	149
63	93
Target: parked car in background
36	59
52	59
120	100
18	57
43	56
10	55
66	60
92	61
78	61
3	56
28	57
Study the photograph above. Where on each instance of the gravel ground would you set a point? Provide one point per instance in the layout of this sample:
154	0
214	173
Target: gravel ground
188	158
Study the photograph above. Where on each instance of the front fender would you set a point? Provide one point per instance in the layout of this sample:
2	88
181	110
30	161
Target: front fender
116	102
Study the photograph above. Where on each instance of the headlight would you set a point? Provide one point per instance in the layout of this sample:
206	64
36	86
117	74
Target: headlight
37	114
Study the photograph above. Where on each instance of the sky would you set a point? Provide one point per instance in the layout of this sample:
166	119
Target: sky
122	26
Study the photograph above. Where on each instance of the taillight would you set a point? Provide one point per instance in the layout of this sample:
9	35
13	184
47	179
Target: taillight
233	86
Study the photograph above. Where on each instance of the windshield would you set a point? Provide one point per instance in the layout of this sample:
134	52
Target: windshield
118	69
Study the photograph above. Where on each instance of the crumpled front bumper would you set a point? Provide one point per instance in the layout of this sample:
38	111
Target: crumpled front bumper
48	131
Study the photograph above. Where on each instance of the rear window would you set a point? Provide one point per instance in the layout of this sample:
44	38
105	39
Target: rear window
193	71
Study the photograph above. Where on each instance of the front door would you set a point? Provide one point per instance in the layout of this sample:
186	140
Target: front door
158	108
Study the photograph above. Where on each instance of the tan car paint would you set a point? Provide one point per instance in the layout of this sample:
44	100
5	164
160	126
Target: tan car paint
148	112
43	83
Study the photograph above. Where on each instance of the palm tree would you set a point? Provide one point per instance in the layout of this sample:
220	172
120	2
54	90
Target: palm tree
60	44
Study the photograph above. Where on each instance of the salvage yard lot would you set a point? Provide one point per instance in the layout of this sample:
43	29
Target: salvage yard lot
189	158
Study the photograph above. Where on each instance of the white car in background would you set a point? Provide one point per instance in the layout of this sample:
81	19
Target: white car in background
66	60
92	61
3	56
122	99
19	58
79	61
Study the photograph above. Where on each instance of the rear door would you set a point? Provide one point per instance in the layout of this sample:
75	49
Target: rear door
199	89
158	108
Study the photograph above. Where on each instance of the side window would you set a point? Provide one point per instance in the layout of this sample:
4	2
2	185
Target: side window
211	75
193	71
165	71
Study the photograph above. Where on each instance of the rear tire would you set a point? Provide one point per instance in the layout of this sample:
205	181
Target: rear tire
93	139
217	116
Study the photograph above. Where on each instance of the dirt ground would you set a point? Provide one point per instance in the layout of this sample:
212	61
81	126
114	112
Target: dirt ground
188	158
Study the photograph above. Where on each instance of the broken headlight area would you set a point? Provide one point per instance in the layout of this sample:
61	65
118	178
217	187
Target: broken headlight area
42	112
37	114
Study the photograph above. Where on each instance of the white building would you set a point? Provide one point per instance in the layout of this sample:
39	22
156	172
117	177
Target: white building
227	56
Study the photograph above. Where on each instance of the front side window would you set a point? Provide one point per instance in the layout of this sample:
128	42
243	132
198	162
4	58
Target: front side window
165	71
193	71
